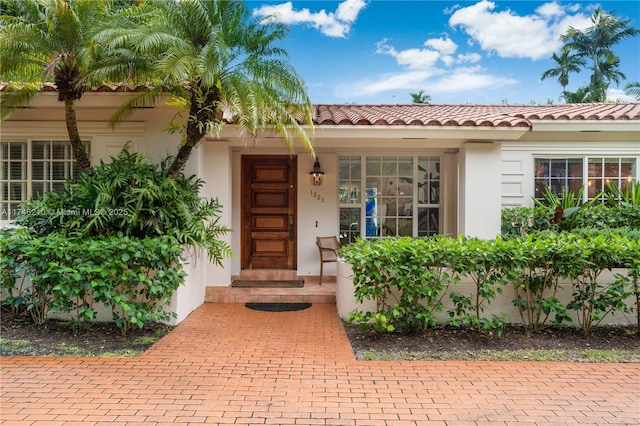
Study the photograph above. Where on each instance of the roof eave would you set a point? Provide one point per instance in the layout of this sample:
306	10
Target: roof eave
419	132
585	125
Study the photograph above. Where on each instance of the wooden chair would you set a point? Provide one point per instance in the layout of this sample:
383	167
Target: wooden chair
328	247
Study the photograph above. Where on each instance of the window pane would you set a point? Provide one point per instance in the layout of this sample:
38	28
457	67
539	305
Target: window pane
558	168
595	167
595	187
371	211
38	170
405	227
17	191
542	168
349	192
428	221
405	166
38	188
59	151
38	150
612	167
58	171
389	166
575	168
17	151
349	225
373	166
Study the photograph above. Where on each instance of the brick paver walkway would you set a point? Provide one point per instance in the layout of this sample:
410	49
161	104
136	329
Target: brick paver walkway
229	365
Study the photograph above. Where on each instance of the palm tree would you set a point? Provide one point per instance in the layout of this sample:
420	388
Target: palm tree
566	63
49	41
633	89
420	97
596	41
209	56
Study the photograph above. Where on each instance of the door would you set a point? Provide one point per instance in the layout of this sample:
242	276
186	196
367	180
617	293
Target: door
268	212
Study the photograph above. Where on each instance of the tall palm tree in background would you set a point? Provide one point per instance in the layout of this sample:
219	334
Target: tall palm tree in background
566	63
595	44
210	57
49	41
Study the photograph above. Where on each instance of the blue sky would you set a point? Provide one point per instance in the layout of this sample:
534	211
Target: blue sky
480	52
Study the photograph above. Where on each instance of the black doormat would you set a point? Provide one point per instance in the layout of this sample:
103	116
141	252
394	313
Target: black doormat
277	307
268	284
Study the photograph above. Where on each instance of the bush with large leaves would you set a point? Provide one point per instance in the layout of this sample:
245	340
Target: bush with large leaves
133	197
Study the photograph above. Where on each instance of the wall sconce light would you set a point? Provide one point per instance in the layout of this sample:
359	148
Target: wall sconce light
316	175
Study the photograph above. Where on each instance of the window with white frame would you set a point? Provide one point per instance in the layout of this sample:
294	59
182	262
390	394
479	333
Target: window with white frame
595	174
381	196
30	168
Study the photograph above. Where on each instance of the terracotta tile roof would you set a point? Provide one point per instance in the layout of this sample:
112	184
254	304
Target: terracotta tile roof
444	115
470	115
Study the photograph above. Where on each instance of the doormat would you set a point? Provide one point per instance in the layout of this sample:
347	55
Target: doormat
268	284
277	307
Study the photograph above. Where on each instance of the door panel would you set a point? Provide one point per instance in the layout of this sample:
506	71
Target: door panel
268	212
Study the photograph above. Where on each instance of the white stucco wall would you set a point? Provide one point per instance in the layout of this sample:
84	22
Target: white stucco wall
479	190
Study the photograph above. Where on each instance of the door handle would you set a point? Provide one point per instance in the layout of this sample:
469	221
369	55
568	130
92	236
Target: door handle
291	227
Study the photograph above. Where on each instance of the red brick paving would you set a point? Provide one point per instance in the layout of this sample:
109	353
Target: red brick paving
226	364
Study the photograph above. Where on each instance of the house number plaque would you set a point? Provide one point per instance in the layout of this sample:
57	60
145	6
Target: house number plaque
317	196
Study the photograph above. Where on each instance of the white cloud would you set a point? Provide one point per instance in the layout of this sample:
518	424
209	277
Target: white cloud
416	59
549	10
468	57
461	80
399	81
466	79
442	45
349	10
618	95
333	24
509	35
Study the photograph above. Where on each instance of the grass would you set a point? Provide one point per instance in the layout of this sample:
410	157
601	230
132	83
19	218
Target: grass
580	355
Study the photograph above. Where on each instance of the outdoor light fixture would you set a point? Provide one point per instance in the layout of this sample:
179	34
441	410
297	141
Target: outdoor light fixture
316	175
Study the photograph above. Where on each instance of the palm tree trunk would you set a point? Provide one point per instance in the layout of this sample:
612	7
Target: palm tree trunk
183	154
196	124
80	154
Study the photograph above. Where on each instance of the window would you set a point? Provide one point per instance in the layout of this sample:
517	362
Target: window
572	174
29	168
382	196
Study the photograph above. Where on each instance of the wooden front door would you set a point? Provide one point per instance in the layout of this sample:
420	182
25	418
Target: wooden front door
268	212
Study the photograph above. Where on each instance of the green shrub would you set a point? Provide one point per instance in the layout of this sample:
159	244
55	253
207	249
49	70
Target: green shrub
407	277
13	265
134	278
133	197
520	221
536	269
487	263
115	237
566	212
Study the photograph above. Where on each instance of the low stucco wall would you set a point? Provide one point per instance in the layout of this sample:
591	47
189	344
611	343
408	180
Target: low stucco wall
346	303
